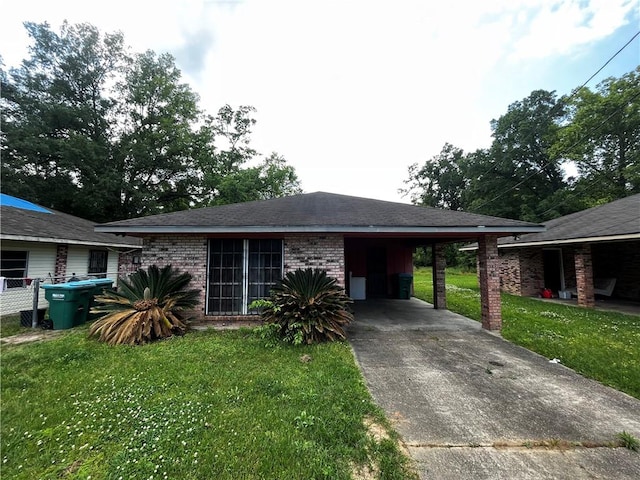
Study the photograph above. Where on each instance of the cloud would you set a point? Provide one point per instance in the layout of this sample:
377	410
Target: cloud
565	28
192	54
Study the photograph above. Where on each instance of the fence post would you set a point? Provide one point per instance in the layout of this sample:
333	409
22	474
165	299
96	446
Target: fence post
36	296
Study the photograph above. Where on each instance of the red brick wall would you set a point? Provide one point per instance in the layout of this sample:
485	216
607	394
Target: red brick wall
184	253
324	252
489	272
62	251
521	271
439	278
126	265
584	276
510	271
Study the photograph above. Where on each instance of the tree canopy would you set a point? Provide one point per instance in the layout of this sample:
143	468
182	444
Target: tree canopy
90	129
523	174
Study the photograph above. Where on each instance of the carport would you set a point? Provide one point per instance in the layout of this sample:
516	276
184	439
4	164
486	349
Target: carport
380	258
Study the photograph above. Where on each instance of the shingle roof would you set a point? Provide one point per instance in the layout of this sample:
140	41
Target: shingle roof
615	220
20	223
317	212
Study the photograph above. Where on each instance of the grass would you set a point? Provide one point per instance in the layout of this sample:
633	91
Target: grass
601	345
10	325
207	405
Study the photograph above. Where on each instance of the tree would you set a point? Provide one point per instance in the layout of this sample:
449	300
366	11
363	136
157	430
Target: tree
441	181
518	176
155	152
55	118
603	138
272	178
92	131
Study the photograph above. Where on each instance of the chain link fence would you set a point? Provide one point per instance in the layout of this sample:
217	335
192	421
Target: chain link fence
23	296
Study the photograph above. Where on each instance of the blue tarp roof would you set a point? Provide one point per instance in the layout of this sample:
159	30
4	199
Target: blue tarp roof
9	201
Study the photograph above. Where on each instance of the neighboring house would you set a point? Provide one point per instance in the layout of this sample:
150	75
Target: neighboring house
587	253
37	242
236	253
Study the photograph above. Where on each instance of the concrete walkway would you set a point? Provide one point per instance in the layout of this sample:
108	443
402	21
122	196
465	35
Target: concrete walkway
469	404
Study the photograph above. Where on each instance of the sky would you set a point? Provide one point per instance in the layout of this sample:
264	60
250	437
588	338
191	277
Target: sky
353	92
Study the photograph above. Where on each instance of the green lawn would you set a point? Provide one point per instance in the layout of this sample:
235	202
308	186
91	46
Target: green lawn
208	405
10	325
601	345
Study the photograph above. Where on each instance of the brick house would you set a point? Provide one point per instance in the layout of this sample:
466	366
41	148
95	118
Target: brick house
594	251
237	252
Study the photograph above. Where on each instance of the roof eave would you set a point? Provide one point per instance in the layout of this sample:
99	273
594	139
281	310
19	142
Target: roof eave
66	241
566	241
480	229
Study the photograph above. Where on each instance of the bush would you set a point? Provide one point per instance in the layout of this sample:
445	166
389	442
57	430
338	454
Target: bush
147	307
308	307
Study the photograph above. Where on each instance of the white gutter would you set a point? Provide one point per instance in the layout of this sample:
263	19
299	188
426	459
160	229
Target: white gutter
541	243
25	238
480	229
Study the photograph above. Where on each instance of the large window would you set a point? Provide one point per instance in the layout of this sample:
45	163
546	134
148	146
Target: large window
241	271
14	267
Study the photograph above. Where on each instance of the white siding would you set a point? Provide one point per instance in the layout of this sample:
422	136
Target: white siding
41	263
112	265
77	261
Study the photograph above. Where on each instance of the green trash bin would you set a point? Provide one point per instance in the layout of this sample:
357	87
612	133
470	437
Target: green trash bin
68	303
404	285
98	285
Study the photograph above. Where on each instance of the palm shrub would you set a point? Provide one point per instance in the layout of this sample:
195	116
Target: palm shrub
147	307
307	306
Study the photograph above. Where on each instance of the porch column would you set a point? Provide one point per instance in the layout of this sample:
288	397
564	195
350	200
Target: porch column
489	274
438	270
584	276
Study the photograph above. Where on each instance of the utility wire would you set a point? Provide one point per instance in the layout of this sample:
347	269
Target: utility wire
546	164
575	91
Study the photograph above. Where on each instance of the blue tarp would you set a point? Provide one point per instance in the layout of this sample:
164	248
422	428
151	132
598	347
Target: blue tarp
9	201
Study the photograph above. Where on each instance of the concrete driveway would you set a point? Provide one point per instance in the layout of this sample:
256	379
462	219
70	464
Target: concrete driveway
469	404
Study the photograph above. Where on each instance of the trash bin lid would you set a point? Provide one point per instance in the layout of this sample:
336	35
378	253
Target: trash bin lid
81	285
100	281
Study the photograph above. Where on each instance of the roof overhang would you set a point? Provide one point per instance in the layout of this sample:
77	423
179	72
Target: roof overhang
568	241
66	241
345	229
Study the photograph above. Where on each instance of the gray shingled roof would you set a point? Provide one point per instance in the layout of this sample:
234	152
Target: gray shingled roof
318	212
56	227
615	220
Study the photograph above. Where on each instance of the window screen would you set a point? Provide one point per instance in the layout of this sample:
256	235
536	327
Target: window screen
241	271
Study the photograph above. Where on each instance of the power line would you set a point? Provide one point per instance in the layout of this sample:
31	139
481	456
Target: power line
535	172
575	91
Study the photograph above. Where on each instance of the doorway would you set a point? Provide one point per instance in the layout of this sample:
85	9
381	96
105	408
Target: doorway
376	272
553	269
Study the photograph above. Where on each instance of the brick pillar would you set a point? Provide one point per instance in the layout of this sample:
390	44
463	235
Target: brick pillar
584	276
60	271
489	273
439	285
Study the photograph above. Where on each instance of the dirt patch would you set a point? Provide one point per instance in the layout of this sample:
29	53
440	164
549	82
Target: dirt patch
27	337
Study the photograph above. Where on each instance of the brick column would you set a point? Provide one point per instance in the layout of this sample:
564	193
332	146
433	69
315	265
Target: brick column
60	271
489	273
439	284
584	276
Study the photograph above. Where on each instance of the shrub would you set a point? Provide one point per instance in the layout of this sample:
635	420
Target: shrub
308	307
148	306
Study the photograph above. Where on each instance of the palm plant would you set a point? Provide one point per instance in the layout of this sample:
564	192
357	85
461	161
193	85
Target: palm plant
308	307
148	306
